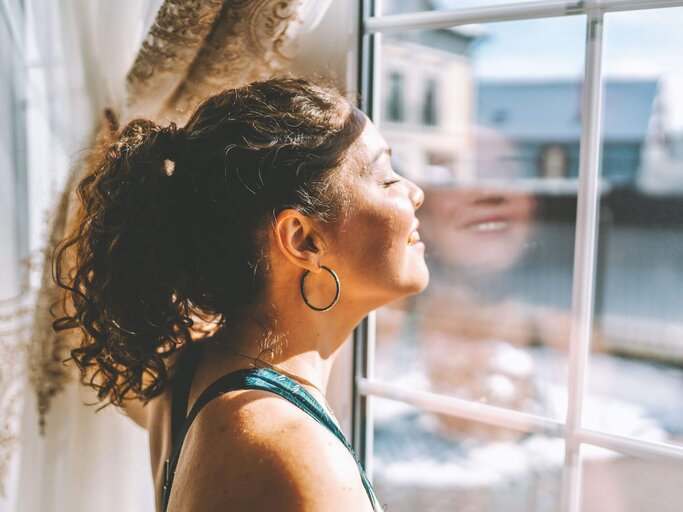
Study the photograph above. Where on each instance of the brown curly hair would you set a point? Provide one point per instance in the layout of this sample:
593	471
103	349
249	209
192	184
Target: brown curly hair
170	223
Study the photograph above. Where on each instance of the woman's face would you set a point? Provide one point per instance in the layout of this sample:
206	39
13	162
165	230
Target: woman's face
478	228
376	246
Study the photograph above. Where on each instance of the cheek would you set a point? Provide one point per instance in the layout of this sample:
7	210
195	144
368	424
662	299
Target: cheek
373	238
387	234
370	237
381	238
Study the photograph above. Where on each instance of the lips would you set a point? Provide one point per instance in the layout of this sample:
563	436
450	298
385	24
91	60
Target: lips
414	235
491	224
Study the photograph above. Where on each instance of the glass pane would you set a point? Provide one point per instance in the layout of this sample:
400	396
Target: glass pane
495	149
612	481
425	461
404	6
635	375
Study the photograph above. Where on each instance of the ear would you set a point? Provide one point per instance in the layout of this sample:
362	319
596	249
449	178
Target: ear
298	240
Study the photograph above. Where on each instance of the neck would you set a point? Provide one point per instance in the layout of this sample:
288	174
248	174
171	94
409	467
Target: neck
304	344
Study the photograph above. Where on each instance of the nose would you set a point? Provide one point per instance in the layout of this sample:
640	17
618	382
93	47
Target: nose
417	195
491	199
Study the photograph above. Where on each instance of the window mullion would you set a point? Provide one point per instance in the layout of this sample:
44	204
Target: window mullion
632	447
428	20
584	256
462	408
361	436
364	334
441	19
518	420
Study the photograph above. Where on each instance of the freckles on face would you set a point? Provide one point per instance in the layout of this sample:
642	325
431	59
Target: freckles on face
382	211
373	240
382	226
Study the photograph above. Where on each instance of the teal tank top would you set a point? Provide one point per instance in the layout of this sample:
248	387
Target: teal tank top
248	378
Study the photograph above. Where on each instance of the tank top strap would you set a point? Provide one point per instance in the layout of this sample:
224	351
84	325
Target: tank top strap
182	382
268	380
298	395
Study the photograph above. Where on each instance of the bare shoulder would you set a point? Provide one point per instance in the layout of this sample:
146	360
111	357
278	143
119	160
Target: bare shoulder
253	450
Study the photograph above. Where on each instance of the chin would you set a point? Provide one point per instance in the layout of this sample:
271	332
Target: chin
423	285
411	280
419	281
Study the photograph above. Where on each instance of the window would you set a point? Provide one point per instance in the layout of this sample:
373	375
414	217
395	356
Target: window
553	161
395	97
541	369
429	113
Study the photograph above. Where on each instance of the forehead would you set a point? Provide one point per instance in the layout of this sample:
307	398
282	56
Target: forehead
369	144
371	140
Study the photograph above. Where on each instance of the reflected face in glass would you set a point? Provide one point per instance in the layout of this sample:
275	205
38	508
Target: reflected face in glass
376	244
477	228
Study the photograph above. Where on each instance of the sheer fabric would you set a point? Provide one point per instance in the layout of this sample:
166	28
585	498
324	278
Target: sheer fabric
77	60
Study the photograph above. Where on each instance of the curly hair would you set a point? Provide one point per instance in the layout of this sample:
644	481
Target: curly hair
170	223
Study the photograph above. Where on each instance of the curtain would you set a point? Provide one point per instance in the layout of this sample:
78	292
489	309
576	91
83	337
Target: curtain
66	58
88	66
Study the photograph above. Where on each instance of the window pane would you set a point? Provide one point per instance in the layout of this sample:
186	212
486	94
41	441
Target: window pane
499	171
635	368
612	481
425	461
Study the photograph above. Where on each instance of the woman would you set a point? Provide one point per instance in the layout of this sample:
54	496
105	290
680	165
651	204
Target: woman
219	269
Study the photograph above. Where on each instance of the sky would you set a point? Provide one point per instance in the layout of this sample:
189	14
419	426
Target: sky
637	44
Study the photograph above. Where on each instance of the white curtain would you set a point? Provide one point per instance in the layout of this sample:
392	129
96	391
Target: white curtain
68	61
73	59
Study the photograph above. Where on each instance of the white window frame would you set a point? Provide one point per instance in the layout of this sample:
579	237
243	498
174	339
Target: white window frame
365	386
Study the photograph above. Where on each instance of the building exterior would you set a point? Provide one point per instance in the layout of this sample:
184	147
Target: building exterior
542	122
427	108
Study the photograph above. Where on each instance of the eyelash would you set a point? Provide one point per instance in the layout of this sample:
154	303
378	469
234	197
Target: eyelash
391	182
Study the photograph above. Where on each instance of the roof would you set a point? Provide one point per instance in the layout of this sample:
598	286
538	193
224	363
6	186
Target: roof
550	110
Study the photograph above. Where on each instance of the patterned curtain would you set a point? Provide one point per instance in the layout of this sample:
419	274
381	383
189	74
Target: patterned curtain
192	49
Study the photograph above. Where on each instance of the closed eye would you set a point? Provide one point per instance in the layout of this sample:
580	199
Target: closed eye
391	182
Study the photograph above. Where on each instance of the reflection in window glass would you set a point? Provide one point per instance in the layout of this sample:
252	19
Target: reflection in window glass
395	97
636	362
500	176
612	481
429	107
497	220
425	461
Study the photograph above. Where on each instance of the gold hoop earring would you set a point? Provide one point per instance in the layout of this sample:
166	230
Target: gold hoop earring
336	295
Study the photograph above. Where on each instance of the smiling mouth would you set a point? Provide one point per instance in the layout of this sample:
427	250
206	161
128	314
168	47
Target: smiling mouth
414	237
490	226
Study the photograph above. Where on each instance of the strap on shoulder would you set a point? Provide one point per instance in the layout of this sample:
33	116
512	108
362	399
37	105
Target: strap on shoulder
187	366
264	379
224	384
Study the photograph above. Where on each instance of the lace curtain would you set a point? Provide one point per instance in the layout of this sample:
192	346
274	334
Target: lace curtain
87	66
